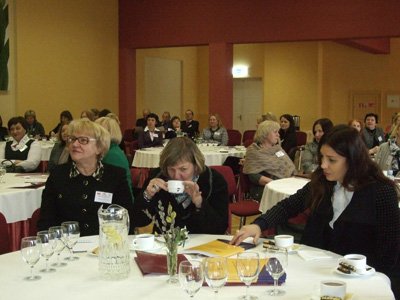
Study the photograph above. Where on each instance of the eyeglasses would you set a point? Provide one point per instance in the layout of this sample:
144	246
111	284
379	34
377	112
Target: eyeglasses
83	140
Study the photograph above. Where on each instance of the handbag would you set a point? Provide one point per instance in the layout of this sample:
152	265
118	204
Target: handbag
11	167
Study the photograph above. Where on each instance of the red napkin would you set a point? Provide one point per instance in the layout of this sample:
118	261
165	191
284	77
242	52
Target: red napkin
150	263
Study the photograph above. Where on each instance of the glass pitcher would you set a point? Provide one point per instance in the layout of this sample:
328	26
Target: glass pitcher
113	242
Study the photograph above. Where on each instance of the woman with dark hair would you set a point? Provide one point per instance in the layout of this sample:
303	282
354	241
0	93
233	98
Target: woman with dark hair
65	118
60	154
23	151
287	132
175	129
151	136
373	135
309	161
353	206
202	206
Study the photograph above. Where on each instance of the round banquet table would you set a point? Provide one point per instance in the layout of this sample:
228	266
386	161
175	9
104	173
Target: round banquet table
279	189
19	198
214	156
80	280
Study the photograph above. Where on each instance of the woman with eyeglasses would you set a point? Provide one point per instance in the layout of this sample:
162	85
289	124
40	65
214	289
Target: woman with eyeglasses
24	153
75	191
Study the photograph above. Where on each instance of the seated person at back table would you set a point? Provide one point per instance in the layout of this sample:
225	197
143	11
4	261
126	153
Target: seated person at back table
216	132
75	191
287	133
190	126
60	154
388	155
65	118
151	136
141	122
309	162
175	129
373	135
202	207
265	159
35	129
353	206
25	152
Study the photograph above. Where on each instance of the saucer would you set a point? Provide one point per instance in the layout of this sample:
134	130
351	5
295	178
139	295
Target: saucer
157	246
317	296
352	274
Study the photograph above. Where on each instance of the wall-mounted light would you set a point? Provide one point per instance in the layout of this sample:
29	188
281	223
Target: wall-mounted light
240	71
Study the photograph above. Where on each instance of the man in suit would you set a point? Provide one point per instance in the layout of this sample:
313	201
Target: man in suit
142	121
190	126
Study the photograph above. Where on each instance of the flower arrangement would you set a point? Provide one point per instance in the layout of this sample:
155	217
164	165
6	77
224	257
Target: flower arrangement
173	236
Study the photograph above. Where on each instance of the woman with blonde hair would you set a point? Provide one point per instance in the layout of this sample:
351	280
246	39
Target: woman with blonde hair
357	124
388	155
216	131
265	158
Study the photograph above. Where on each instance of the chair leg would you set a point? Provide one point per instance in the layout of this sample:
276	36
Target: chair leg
242	222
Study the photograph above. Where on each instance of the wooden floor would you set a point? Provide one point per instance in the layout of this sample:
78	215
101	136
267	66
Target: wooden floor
235	225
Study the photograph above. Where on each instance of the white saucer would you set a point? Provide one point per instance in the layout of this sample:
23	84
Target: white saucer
317	296
352	274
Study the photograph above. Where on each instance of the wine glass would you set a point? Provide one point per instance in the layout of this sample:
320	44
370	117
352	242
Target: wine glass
216	272
3	172
247	265
47	244
58	232
191	276
30	252
71	236
276	265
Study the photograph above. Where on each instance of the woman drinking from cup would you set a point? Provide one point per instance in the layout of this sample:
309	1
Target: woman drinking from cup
75	191
25	153
354	207
202	206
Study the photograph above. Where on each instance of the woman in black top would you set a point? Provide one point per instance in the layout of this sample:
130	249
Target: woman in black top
287	132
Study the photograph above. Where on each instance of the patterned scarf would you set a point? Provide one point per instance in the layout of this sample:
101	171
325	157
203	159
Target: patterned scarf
395	152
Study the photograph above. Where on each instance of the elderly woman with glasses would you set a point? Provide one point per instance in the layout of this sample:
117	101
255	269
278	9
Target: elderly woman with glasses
76	190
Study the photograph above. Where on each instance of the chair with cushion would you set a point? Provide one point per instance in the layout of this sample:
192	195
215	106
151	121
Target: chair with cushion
234	137
33	222
128	135
248	137
4	236
301	138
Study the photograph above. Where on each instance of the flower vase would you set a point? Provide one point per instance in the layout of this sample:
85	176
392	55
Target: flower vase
172	262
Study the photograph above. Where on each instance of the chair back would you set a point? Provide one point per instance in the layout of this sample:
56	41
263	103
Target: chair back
248	135
33	222
244	185
229	177
234	137
301	138
4	235
128	135
131	147
139	176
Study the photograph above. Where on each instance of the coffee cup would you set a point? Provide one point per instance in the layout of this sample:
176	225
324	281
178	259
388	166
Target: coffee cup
175	186
358	261
144	241
284	240
333	288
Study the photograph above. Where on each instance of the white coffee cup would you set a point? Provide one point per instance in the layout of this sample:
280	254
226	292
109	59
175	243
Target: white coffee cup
284	240
333	288
176	187
358	261
144	241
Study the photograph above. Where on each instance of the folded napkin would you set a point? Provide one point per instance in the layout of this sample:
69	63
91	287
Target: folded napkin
312	254
151	263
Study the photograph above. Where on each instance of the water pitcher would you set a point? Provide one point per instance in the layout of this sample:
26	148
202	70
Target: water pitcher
113	242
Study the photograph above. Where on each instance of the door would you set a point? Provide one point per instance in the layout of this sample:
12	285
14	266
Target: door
363	103
248	95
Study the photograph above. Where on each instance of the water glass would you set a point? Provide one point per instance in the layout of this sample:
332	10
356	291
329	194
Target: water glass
216	272
276	265
247	265
30	252
58	232
191	276
47	244
71	236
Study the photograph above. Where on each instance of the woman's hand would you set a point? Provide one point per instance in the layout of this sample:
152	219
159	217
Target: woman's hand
193	190
246	231
154	187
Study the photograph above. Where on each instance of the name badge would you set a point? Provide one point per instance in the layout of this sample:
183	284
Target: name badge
23	148
103	197
217	133
279	153
190	126
380	138
155	134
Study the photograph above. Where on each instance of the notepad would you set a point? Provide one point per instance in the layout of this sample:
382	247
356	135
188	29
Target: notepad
215	248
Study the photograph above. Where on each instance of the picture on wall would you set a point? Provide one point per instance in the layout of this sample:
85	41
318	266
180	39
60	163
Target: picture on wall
4	46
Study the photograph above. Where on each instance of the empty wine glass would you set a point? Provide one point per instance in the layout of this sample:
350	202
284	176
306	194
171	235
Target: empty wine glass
276	265
191	276
47	244
3	172
30	252
71	236
58	232
247	265
216	272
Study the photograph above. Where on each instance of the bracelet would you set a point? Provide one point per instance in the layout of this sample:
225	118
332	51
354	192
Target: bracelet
146	196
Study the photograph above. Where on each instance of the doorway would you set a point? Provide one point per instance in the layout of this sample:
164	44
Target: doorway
248	95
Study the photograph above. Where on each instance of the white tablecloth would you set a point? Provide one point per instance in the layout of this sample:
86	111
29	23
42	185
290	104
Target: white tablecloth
279	189
80	280
18	204
214	156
